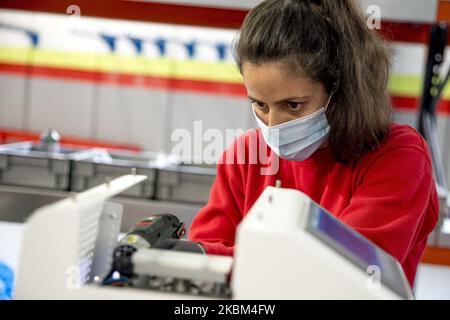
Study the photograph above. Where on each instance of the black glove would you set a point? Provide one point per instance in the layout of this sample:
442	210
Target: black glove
179	245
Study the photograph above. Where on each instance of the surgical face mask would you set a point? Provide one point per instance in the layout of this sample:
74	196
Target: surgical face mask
299	138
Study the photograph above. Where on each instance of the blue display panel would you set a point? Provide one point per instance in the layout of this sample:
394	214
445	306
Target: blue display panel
356	248
359	246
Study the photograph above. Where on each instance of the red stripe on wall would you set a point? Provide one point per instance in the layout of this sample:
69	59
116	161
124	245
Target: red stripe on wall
205	87
141	11
407	103
412	104
406	32
202	87
14	135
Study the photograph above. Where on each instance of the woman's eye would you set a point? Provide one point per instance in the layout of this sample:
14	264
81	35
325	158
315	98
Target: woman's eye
259	105
294	106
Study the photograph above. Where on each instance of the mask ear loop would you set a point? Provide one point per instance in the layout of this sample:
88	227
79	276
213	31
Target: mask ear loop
333	91
329	100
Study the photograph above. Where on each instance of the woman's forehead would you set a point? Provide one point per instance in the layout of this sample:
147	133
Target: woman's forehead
270	82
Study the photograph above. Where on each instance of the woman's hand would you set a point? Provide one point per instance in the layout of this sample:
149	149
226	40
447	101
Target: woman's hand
180	245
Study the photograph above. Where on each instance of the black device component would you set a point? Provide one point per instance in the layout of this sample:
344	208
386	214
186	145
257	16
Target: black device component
432	90
177	245
155	228
145	234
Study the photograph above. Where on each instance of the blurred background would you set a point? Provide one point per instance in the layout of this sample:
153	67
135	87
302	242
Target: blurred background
101	76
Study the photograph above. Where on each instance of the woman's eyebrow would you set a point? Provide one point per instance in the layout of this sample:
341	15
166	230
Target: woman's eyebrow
283	100
291	99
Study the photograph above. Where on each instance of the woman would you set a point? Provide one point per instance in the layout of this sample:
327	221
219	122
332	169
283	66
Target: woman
317	79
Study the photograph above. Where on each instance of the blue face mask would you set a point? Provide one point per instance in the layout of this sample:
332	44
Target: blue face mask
299	138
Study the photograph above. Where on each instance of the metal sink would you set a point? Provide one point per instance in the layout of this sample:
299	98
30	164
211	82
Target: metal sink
29	164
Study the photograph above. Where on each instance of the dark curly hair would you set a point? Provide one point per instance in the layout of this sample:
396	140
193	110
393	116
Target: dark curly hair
330	42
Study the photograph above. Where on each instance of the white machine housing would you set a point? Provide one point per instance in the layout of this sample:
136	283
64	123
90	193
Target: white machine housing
277	257
66	243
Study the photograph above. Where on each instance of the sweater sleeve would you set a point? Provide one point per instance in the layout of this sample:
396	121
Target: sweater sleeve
391	202
215	224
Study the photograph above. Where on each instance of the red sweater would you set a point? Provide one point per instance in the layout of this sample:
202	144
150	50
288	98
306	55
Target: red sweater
389	195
